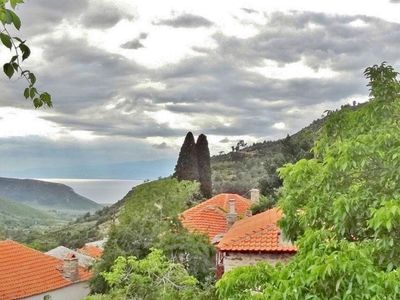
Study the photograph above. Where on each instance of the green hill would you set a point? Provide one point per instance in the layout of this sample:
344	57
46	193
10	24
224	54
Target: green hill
15	216
255	166
45	195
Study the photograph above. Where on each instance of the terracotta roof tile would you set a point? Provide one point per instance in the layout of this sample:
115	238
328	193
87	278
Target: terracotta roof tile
92	251
208	217
25	272
257	233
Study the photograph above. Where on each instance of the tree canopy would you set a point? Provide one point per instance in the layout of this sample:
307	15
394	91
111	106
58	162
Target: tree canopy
204	165
342	208
187	167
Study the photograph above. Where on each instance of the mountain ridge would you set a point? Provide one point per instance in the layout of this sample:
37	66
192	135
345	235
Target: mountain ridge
44	195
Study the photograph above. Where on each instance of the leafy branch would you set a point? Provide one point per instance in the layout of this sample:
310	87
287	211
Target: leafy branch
21	52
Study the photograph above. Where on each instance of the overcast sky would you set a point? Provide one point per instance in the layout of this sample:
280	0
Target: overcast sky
130	78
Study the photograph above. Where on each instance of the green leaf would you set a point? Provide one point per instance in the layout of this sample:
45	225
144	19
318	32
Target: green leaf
32	92
6	40
32	78
25	51
37	103
18	39
15	2
26	93
8	70
15	19
46	98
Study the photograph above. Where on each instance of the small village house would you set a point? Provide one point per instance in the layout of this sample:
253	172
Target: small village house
61	252
240	239
211	217
26	273
253	239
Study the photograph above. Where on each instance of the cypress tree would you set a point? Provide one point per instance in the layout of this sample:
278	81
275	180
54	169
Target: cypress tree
204	165
187	166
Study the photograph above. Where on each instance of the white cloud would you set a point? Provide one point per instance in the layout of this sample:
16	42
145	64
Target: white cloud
273	69
16	122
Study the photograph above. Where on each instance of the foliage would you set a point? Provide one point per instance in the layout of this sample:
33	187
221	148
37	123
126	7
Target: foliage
148	219
256	166
264	204
8	17
189	249
342	207
153	277
187	167
204	165
18	220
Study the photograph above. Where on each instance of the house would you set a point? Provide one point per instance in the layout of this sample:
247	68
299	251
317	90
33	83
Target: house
29	274
61	252
253	239
214	216
93	249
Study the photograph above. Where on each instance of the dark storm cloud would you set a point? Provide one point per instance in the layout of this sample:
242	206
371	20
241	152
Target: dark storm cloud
186	21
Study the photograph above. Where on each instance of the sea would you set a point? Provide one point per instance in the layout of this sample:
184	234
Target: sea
103	191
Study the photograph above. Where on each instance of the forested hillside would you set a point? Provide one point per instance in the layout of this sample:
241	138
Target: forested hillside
255	166
16	216
45	195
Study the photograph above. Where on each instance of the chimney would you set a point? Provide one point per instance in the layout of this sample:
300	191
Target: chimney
71	267
254	196
231	216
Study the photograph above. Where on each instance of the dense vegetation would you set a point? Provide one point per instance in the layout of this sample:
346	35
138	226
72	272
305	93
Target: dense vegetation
342	207
149	220
256	166
16	218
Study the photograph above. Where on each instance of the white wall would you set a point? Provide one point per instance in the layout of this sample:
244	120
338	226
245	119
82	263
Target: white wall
76	291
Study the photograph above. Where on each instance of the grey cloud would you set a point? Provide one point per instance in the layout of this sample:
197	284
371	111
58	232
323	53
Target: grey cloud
135	43
161	146
225	140
40	17
186	21
217	90
101	15
394	1
249	10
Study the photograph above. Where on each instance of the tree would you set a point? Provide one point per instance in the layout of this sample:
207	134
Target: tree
153	277
342	208
204	165
21	51
187	166
149	219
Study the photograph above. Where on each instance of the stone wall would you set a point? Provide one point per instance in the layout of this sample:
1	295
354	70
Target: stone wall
236	259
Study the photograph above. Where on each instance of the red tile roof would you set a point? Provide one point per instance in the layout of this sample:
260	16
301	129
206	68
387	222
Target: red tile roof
257	233
209	218
92	251
26	272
